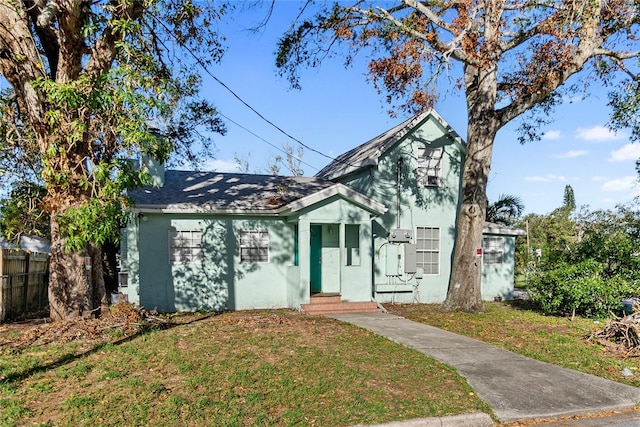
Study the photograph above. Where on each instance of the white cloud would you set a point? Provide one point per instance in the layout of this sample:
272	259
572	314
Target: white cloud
220	166
597	134
552	134
550	177
626	183
571	154
626	153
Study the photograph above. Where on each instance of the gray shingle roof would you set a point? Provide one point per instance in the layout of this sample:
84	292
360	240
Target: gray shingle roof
225	192
29	244
367	154
493	228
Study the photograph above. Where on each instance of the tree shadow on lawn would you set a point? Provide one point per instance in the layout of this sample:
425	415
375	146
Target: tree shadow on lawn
522	304
101	342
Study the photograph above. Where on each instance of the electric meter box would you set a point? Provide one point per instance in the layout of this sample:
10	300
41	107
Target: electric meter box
399	235
410	258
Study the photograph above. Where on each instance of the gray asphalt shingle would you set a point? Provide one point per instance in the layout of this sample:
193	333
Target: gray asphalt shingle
367	154
226	191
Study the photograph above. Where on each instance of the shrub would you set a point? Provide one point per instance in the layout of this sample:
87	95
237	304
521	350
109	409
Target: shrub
580	288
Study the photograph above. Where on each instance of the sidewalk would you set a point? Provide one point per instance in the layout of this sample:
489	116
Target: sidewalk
516	387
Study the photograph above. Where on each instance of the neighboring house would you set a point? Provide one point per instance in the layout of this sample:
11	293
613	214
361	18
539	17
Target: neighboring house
377	224
29	244
24	271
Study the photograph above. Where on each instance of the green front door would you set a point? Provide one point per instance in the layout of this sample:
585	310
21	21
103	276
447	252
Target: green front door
315	272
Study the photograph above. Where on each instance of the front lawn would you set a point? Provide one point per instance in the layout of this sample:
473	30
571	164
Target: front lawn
271	368
557	340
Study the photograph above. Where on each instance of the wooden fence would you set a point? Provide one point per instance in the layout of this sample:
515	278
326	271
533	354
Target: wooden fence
24	278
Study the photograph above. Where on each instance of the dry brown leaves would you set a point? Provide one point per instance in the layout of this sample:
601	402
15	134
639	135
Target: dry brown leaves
620	335
124	319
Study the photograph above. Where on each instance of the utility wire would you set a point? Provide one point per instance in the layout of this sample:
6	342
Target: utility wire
206	70
262	139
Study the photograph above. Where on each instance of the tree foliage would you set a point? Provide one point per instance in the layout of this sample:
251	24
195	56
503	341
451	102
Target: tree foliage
551	238
569	198
506	210
21	213
89	82
625	103
291	161
579	289
590	261
509	57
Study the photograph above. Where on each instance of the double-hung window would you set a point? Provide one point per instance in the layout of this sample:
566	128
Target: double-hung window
493	250
185	247
429	171
428	249
254	246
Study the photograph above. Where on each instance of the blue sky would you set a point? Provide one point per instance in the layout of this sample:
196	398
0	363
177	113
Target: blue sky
338	109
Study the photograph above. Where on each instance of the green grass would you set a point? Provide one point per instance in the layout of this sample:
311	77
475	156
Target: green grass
557	340
248	368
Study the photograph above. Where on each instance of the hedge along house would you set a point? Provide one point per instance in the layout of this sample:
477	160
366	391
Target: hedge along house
219	241
415	169
375	225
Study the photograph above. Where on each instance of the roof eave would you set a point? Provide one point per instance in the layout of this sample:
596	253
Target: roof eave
194	209
502	230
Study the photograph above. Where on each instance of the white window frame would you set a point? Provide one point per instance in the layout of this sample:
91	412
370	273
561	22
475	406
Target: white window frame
492	250
253	241
185	247
422	248
429	170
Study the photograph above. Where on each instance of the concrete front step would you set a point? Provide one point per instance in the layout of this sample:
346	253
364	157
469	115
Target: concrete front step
315	308
325	299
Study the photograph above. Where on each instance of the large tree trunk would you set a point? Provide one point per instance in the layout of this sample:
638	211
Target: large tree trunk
70	287
100	296
465	292
465	282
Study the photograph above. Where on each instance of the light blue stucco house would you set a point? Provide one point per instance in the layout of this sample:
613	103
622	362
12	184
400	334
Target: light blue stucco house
376	225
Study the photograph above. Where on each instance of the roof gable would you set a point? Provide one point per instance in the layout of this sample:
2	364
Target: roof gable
369	153
353	196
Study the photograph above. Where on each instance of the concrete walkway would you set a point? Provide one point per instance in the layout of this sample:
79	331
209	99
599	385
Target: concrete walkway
516	387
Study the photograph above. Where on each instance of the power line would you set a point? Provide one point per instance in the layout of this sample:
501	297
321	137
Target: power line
262	139
246	104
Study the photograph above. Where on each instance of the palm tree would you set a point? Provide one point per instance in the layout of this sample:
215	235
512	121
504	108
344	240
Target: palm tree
505	210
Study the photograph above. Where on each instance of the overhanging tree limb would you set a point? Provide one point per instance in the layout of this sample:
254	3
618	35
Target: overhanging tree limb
514	56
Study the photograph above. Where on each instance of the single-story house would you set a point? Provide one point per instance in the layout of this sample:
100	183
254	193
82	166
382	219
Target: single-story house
375	225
